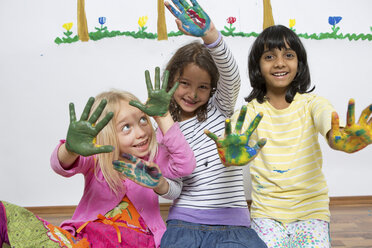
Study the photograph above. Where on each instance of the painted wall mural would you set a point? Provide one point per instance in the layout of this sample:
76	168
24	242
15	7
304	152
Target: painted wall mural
229	29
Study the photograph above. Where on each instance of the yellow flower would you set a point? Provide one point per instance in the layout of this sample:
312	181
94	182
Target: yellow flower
67	26
142	21
292	22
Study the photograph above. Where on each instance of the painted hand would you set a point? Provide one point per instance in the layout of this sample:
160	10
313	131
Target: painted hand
158	100
355	136
139	171
233	149
193	18
81	135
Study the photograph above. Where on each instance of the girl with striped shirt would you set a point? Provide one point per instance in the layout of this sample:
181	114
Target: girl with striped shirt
209	207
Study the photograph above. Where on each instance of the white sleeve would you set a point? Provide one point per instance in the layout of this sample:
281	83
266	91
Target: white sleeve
228	85
175	188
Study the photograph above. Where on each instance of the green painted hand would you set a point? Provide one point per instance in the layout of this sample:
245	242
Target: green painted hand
139	171
355	136
81	135
233	149
158	100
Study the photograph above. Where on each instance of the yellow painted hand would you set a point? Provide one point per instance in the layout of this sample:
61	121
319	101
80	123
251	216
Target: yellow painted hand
355	136
233	148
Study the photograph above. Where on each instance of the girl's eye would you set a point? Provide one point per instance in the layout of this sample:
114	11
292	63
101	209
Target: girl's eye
204	87
268	57
183	83
143	120
126	128
290	55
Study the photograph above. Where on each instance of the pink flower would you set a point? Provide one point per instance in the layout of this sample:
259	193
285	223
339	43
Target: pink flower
231	20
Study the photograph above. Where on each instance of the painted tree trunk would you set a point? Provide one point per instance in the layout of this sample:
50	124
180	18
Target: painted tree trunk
82	21
162	26
268	19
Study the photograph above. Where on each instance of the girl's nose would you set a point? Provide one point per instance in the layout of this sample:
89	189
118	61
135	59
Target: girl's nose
193	94
140	132
280	62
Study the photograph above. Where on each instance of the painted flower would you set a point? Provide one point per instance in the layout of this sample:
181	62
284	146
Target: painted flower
67	26
142	21
333	20
102	20
292	23
231	20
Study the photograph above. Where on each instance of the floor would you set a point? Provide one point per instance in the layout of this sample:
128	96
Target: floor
351	226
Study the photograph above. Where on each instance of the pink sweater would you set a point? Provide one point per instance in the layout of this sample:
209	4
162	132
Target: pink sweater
175	159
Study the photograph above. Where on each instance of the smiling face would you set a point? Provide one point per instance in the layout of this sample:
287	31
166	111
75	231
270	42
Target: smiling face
278	68
133	130
194	90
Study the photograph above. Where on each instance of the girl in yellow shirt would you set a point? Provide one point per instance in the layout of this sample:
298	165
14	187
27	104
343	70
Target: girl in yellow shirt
290	203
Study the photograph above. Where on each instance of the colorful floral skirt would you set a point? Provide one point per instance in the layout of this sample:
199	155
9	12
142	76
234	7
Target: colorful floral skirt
24	229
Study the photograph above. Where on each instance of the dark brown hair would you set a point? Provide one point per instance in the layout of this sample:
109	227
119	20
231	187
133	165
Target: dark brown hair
276	37
192	53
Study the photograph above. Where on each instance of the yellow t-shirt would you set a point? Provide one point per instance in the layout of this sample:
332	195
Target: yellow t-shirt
287	179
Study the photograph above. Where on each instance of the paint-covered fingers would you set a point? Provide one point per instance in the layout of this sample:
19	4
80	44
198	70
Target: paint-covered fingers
335	125
260	143
100	125
351	113
241	118
227	127
254	124
148	82
183	28
72	112
366	118
211	135
185	4
164	85
173	89
86	111
195	3
174	11
129	157
215	138
142	172
122	167
138	105
98	111
157	78
334	138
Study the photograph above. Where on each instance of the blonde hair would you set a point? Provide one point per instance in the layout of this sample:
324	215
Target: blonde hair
108	136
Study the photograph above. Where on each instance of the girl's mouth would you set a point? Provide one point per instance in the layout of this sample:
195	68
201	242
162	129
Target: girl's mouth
279	74
188	102
143	145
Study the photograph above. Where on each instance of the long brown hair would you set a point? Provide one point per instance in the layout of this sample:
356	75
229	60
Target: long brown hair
192	53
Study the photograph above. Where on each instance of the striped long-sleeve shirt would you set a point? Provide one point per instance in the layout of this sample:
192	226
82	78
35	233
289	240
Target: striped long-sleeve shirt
287	179
212	194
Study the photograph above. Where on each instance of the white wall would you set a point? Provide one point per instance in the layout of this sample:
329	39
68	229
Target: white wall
39	78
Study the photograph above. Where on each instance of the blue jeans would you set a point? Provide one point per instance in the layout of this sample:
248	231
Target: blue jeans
183	234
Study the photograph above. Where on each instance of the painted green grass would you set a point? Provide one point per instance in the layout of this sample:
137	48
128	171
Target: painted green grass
98	35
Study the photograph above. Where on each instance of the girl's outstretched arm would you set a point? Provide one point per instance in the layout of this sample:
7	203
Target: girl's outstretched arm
355	136
81	134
